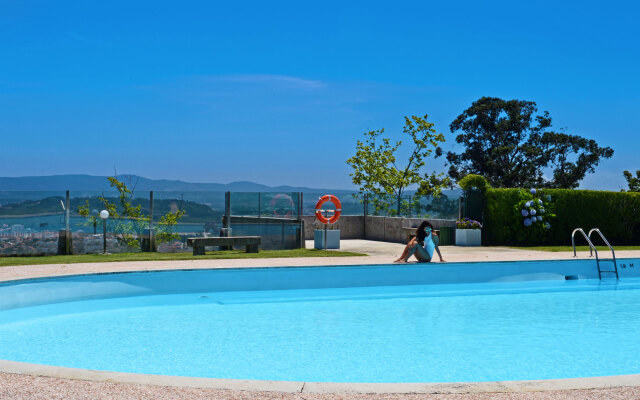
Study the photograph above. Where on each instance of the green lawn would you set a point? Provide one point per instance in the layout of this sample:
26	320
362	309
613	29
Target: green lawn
556	249
216	255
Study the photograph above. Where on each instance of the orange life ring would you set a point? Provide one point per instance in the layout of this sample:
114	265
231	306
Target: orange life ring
336	214
287	198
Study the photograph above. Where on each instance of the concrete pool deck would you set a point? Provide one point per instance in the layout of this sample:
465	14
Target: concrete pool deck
29	381
378	253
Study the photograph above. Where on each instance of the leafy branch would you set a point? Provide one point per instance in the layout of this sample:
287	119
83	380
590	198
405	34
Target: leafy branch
376	171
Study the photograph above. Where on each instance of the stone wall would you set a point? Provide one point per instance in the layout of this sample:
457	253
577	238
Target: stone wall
86	243
176	246
28	246
350	226
390	229
386	229
81	243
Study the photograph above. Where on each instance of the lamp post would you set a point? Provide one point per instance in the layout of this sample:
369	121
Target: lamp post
104	214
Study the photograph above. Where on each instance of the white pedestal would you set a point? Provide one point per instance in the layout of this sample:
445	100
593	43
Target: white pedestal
333	239
468	237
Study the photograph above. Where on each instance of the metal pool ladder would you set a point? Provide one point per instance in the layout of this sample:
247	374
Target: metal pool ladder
593	249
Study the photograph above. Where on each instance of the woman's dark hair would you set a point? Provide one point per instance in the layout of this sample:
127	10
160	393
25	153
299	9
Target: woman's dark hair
421	231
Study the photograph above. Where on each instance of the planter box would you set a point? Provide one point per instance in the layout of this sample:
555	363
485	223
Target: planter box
468	237
333	239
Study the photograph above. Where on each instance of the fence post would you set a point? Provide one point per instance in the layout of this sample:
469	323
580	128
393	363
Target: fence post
227	213
365	211
67	230
151	236
301	235
64	235
365	205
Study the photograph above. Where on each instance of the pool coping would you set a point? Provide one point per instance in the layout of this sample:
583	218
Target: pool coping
66	274
600	382
4	281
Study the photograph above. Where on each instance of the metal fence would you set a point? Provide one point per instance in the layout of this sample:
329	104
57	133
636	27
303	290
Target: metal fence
46	222
444	206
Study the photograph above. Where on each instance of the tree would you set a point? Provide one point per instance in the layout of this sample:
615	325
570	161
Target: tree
634	183
129	220
511	145
562	148
375	168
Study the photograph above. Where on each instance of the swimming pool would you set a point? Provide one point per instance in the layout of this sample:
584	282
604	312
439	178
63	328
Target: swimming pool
395	323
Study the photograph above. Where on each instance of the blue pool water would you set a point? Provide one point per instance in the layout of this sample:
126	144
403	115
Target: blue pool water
485	331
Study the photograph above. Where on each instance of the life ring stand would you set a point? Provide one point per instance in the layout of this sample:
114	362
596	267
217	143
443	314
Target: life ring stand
336	215
277	197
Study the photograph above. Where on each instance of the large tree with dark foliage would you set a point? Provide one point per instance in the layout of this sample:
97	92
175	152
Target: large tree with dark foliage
634	183
511	145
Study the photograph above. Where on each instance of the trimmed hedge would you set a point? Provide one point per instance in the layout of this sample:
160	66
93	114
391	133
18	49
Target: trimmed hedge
617	214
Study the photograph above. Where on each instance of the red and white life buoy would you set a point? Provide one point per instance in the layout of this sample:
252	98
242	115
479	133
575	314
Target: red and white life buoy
336	214
287	199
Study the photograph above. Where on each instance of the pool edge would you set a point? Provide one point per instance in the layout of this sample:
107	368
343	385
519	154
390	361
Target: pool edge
600	382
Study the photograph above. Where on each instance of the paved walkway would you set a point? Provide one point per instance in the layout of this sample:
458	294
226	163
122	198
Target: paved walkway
378	253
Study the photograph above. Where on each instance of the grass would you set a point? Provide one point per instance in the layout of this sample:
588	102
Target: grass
556	249
216	255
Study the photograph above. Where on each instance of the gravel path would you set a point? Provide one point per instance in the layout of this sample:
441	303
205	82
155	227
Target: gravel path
18	387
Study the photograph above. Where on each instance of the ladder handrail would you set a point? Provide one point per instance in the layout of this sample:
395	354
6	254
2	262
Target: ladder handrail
605	242
591	246
593	249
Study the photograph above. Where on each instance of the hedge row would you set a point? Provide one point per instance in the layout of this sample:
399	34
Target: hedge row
617	214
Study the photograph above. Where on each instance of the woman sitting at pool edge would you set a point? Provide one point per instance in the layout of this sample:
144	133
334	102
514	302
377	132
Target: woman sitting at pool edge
422	245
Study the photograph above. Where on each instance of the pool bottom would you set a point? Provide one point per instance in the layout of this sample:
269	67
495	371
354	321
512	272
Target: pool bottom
387	334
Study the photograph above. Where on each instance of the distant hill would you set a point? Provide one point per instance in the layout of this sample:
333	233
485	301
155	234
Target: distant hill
100	183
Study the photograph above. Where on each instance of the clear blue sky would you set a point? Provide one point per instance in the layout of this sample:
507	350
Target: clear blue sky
279	92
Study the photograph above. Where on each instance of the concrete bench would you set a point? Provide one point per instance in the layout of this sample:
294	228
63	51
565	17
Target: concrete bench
198	244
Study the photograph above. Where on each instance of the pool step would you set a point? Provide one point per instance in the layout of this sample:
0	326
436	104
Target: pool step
607	271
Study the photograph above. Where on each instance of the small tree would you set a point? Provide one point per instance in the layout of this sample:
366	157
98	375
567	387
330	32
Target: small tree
130	221
164	229
634	183
375	168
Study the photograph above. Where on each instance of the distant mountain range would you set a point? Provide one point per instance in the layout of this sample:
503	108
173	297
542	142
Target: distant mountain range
99	183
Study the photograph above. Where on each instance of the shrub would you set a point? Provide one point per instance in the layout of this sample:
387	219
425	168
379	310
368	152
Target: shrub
536	211
474	181
617	214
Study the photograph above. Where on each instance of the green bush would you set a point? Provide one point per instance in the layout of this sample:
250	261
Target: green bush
617	214
474	181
